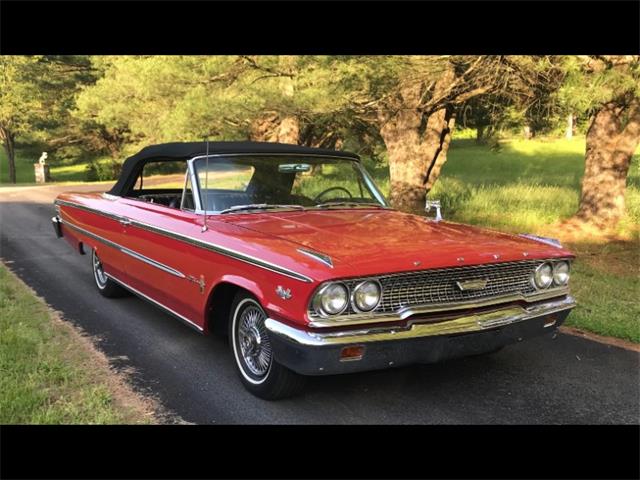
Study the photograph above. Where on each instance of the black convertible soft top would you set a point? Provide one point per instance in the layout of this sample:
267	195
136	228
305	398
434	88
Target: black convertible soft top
133	165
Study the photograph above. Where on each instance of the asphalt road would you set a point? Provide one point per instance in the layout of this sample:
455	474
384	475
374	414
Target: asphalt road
547	380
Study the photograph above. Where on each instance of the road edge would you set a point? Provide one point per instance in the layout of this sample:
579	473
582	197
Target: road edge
117	381
615	342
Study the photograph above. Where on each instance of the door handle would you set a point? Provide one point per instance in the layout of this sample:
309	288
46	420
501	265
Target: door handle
124	221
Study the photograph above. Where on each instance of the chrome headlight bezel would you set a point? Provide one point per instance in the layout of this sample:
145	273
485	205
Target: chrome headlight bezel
556	267
536	275
354	303
317	302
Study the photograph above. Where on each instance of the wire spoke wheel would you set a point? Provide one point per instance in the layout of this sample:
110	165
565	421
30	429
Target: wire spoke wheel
253	340
254	354
98	271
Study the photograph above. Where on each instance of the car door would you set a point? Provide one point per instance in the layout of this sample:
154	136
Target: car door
154	264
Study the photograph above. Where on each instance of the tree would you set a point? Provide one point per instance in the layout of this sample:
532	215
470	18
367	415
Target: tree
36	95
154	99
20	102
607	88
413	101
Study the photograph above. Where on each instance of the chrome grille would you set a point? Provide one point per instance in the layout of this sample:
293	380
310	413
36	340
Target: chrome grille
438	286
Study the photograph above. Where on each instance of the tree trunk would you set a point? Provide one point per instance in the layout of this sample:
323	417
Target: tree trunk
272	128
612	139
439	128
8	142
288	131
416	145
527	132
407	164
480	135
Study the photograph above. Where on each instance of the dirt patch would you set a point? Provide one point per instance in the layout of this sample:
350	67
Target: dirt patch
620	258
616	342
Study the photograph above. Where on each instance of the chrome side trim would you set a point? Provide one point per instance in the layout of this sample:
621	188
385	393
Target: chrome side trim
224	251
407	312
153	263
100	239
199	243
156	303
465	324
112	216
321	257
125	250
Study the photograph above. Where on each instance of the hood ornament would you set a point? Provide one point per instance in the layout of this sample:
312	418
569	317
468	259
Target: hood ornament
429	204
321	257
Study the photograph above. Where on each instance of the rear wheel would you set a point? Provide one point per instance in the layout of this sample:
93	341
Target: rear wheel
260	373
107	287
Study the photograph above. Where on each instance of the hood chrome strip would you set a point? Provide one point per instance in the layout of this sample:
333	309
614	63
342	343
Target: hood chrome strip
321	257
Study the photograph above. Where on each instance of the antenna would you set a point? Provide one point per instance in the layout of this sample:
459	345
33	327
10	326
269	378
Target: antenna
206	187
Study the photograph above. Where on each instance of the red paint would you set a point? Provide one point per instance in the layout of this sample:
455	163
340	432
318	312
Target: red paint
361	242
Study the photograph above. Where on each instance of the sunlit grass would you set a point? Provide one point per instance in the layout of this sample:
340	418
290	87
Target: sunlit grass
47	376
25	173
606	283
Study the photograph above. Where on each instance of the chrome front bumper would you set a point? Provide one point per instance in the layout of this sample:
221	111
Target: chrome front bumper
318	353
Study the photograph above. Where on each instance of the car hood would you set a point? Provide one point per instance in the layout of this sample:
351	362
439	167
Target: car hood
370	241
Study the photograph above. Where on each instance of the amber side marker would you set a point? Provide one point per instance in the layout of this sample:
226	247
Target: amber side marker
353	352
552	321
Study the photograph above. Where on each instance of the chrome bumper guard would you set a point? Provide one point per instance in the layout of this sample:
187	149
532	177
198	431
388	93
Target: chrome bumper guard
57	226
318	353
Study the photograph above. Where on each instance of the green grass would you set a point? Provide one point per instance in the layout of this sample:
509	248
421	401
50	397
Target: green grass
48	376
525	186
606	283
25	158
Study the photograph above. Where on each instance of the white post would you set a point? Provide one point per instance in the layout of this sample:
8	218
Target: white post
569	132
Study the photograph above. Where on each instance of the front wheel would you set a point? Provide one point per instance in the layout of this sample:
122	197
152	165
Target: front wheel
260	373
107	287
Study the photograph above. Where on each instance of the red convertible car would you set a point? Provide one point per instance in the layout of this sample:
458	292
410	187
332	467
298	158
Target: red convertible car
297	255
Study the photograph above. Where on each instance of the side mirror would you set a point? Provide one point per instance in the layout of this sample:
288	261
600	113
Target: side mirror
429	204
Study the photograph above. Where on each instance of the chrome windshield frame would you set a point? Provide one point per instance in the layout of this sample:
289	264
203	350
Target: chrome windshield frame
195	184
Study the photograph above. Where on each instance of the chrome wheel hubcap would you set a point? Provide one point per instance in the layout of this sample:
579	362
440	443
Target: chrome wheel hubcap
254	341
101	277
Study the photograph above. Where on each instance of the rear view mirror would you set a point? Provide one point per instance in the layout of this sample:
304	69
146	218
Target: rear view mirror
294	167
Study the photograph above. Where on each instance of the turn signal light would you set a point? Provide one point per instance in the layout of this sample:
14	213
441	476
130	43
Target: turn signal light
354	352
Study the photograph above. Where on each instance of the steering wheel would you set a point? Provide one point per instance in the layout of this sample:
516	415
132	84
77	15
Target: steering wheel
317	197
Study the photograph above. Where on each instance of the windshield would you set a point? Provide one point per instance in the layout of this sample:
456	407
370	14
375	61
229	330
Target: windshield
253	183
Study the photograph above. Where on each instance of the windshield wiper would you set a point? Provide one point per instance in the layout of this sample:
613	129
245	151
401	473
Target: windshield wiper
260	206
350	204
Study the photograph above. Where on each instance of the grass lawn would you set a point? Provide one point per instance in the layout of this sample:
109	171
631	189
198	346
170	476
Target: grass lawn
50	374
25	172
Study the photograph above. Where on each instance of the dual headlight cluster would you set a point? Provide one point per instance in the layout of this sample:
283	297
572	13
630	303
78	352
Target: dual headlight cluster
335	297
551	273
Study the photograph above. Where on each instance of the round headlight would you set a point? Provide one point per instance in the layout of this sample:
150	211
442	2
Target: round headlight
332	299
543	276
366	296
561	273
